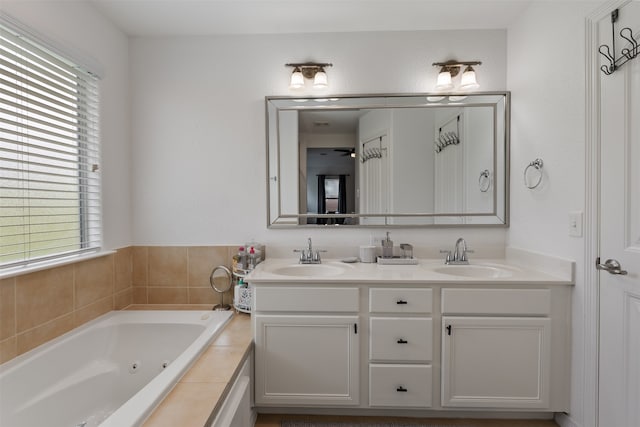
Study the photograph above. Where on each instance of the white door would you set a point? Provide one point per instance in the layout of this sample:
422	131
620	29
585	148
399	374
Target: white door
306	360
496	362
619	364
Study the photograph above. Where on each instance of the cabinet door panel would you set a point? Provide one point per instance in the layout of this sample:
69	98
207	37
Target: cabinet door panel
496	362
308	360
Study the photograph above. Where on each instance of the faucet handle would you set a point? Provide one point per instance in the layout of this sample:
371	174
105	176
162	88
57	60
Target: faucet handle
448	258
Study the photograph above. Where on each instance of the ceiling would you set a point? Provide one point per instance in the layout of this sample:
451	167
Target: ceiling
211	17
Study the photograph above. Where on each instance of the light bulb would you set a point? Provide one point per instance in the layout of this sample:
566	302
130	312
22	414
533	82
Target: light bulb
468	80
444	80
320	80
297	79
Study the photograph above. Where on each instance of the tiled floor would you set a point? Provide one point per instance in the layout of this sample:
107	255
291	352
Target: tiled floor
269	420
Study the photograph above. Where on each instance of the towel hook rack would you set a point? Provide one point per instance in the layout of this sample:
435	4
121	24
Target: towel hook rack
537	165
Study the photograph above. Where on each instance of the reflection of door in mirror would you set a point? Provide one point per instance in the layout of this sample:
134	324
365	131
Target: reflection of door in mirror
448	182
374	178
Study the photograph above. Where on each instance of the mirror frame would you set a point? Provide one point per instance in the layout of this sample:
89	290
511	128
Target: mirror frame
280	220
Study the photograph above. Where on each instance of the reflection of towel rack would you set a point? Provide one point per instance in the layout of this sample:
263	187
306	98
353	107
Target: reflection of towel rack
485	183
447	138
372	153
537	165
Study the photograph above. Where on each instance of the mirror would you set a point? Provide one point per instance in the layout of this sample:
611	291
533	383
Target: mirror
388	160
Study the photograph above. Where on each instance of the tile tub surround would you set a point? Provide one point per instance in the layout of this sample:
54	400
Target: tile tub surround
37	307
178	274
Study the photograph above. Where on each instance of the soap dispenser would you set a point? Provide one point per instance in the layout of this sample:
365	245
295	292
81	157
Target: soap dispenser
387	247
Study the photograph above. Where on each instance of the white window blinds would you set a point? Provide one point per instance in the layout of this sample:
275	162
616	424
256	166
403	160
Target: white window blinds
49	154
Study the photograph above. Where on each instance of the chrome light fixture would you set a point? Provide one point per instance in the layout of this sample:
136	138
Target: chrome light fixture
450	69
309	70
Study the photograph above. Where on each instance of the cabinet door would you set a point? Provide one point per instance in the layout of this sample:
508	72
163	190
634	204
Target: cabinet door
495	362
307	360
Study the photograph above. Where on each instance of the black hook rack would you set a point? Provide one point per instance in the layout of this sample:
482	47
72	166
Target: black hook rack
628	53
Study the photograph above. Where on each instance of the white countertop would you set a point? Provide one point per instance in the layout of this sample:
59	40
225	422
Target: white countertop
428	271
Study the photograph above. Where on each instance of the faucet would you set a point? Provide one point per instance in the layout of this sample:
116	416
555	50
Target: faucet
459	253
308	256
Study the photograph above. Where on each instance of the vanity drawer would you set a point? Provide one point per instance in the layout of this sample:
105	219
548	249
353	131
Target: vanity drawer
400	300
307	299
400	339
518	302
400	385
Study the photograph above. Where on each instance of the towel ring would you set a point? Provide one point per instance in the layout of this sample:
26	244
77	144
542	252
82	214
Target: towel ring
220	281
537	165
484	174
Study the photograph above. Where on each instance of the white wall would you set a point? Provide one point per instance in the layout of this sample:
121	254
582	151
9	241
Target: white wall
198	114
79	29
546	74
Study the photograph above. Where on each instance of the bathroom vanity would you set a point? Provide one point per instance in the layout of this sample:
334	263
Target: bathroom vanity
489	336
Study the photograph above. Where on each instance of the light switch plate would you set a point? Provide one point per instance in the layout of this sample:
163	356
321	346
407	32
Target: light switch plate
575	224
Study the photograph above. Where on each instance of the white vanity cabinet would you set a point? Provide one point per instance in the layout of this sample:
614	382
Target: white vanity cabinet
307	344
400	347
496	348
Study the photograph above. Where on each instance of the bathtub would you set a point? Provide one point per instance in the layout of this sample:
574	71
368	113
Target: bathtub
110	372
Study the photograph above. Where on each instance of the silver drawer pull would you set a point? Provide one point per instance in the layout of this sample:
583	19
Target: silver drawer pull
401	389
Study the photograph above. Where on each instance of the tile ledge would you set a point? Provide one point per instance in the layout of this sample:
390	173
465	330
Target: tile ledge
45	265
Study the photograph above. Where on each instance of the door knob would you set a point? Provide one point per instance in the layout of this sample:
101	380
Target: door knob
611	266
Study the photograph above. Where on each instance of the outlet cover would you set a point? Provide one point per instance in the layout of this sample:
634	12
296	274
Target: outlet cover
575	224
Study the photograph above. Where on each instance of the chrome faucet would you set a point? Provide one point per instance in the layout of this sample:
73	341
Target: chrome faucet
309	256
459	253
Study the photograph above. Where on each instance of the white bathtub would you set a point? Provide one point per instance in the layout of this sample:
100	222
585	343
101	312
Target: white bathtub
112	371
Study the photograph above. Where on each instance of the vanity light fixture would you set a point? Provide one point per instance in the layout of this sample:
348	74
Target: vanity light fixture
309	70
450	69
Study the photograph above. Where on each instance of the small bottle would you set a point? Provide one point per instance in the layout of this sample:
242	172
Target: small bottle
242	258
252	258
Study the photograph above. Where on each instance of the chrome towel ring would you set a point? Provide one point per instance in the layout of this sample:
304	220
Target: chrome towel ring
484	180
537	165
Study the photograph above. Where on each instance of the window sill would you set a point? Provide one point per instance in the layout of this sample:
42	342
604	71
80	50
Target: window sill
45	265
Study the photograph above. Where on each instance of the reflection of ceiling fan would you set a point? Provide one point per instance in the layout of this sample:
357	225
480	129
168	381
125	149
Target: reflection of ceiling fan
347	151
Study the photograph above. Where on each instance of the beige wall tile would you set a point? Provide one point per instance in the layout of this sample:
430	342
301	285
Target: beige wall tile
8	349
7	308
93	310
43	296
202	260
166	295
140	295
168	266
94	280
123	299
188	405
140	266
205	296
41	334
123	269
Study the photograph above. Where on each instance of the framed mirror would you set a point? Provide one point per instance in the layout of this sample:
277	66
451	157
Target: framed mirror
388	160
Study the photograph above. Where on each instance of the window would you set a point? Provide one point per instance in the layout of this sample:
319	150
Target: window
49	153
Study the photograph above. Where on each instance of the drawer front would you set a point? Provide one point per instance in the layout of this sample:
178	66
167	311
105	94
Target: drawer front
307	299
400	385
515	302
400	339
400	300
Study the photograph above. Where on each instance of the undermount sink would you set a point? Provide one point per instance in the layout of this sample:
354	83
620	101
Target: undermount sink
310	270
475	271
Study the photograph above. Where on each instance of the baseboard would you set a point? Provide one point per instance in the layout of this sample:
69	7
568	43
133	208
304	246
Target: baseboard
565	420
